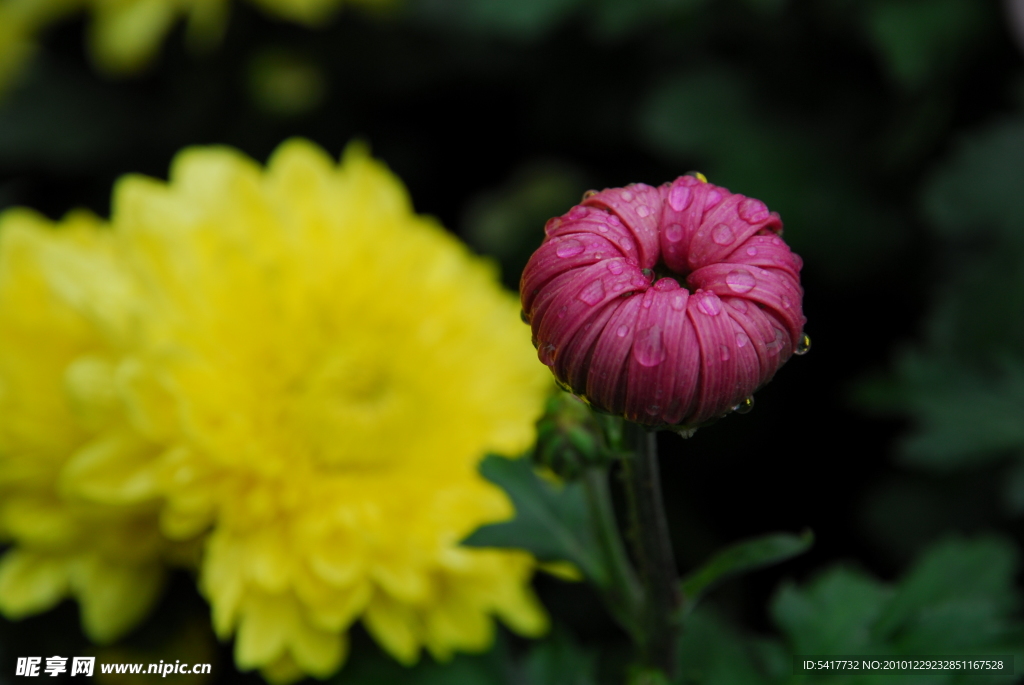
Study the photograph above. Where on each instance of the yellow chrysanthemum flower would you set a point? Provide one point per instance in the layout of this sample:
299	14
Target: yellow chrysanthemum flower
125	35
339	366
78	526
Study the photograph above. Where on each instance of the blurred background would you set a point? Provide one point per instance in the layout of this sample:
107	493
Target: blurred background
889	134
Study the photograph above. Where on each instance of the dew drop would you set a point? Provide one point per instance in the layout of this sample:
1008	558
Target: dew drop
602	228
740	281
552	224
648	299
613	220
803	346
674	232
745	406
653	410
627	196
578	212
685	432
776	241
546	353
752	211
619	287
680	197
648	348
742	340
588	194
722	234
615	267
523	316
752	251
723	353
570	248
678	302
712	200
697	175
786	303
593	293
643	211
710	304
562	312
622	331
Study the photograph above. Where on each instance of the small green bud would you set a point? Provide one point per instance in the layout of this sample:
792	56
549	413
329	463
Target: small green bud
571	437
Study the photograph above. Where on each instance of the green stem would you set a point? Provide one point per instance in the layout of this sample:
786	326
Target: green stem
653	550
621	591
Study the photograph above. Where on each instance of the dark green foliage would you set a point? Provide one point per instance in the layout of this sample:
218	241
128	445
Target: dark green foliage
743	557
552	521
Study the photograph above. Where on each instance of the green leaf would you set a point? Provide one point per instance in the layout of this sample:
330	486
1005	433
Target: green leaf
552	521
920	40
964	416
713	653
833	614
959	595
559	660
743	557
980	186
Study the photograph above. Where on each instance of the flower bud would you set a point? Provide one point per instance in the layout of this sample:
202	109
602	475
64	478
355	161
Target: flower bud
669	306
570	437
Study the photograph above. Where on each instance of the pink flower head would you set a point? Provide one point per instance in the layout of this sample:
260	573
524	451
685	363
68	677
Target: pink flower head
609	317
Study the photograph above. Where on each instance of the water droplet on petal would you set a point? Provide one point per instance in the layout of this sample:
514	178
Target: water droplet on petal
523	316
578	212
622	331
752	251
678	302
648	348
745	406
803	346
685	432
723	352
740	281
602	228
593	293
653	410
627	196
680	197
648	299
697	175
615	267
674	233
753	211
613	220
786	303
742	340
546	353
712	200
643	211
570	248
589	194
776	241
710	304
722	234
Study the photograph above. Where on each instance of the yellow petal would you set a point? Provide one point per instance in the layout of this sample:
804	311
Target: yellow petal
31	583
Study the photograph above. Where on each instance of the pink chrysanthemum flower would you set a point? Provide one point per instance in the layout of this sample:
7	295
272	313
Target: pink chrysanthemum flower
611	320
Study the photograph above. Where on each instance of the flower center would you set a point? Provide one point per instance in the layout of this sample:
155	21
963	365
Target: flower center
350	407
